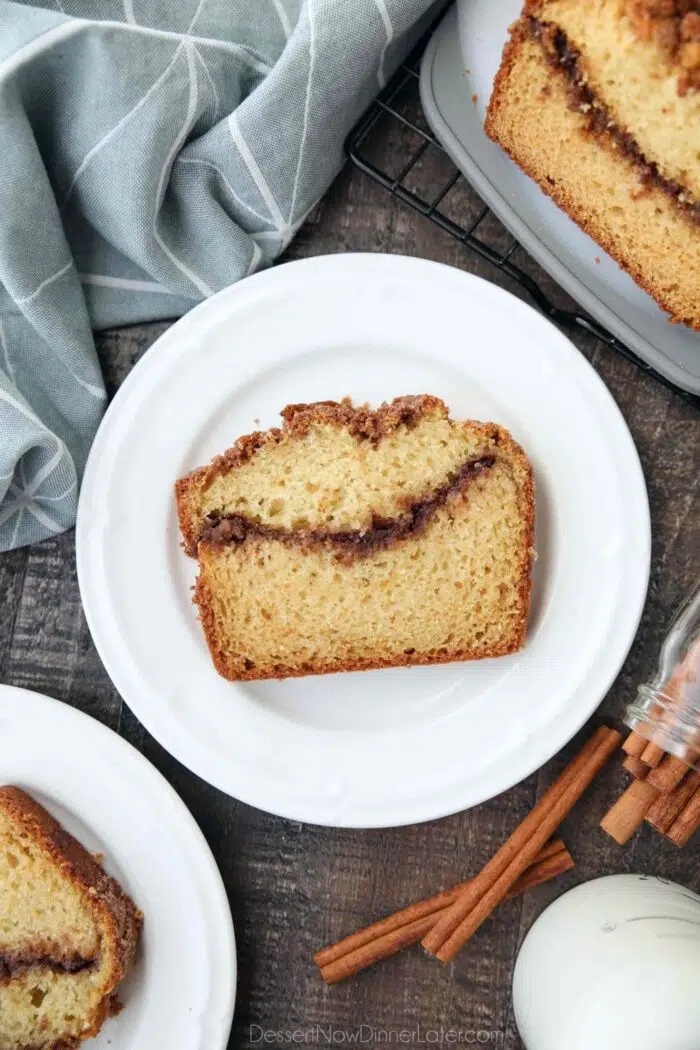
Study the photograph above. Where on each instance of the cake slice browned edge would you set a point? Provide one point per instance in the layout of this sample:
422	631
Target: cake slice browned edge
80	868
519	34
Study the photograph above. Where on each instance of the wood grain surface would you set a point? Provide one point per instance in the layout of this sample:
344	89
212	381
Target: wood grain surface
293	888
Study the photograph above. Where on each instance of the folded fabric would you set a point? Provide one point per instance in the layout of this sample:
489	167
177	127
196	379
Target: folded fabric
151	154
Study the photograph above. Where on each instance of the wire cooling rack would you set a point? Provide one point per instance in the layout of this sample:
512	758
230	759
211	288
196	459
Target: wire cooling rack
397	109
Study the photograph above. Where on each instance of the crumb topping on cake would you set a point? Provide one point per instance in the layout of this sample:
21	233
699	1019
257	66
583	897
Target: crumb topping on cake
674	26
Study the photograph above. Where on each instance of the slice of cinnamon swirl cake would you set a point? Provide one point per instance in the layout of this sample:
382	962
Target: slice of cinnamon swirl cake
352	539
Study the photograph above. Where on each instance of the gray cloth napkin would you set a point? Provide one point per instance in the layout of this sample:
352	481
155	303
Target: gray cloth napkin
151	153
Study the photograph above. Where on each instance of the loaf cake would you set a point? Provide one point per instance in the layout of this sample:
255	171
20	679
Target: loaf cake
68	933
599	102
352	539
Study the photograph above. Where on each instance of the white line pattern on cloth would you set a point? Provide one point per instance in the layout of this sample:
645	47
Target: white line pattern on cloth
253	59
269	236
7	510
25	299
37	46
62	495
389	30
227	184
307	103
41	475
91	388
23	503
212	85
254	259
201	285
283	17
96	391
6	356
124	283
195	16
28	414
121	124
129	12
260	181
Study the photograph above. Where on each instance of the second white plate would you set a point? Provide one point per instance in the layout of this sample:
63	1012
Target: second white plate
383	747
181	992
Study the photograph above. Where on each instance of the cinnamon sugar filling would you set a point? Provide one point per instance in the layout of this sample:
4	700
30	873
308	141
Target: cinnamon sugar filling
235	528
565	58
13	963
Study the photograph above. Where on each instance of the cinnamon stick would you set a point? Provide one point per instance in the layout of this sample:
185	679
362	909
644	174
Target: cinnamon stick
668	774
420	910
488	889
634	744
652	754
687	822
626	815
664	810
635	767
374	951
389	936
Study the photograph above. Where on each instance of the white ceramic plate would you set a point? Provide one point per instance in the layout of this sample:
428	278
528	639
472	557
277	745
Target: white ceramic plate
451	78
181	992
384	747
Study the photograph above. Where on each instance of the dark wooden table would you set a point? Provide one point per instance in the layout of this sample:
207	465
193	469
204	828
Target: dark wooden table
294	887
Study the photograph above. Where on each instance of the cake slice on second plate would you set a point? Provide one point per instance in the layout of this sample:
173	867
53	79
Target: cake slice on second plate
68	933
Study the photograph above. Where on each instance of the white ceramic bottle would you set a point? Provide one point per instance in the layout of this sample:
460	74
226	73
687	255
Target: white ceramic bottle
613	964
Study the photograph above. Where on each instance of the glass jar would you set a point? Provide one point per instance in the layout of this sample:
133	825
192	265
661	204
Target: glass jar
667	709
